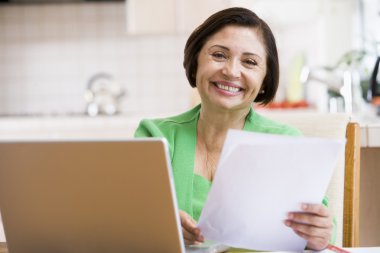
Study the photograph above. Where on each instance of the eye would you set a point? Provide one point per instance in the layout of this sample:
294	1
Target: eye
250	62
219	56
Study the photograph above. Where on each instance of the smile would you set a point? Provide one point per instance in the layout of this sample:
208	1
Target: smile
227	88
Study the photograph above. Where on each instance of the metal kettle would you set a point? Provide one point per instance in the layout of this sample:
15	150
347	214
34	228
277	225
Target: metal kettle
103	95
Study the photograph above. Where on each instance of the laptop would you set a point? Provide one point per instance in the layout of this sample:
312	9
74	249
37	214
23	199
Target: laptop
68	196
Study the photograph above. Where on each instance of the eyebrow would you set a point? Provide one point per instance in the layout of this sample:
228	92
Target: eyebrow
227	49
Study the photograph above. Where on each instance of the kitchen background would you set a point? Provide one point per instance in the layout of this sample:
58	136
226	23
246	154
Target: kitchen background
50	50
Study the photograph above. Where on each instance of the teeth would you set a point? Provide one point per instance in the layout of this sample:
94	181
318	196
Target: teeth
227	88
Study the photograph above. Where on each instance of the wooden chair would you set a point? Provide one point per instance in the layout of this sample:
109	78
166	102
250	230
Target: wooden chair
343	191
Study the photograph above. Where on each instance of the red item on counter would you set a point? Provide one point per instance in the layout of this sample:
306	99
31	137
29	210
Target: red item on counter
285	105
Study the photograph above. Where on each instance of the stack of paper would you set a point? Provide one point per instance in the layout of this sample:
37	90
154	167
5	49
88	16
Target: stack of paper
260	178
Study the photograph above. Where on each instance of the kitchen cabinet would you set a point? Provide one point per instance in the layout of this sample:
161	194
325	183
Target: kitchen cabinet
150	17
168	16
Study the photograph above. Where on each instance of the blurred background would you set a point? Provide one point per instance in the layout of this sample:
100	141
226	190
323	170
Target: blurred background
51	52
82	68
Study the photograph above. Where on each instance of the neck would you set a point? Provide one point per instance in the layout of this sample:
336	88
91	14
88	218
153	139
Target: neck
214	124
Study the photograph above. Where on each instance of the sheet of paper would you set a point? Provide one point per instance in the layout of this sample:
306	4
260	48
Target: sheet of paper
2	236
260	178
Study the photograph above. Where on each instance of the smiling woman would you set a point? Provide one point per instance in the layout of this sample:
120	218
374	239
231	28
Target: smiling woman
232	60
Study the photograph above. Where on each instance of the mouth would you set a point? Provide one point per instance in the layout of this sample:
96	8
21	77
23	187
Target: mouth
227	87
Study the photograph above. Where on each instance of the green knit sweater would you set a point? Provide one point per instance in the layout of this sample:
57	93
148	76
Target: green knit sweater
180	131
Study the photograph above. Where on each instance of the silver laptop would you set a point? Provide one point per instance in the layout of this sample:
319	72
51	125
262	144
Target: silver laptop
90	196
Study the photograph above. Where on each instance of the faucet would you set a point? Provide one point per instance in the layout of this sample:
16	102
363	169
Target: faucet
345	84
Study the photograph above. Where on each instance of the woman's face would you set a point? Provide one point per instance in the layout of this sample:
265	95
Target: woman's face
231	68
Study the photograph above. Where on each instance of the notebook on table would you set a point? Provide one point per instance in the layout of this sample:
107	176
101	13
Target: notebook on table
90	196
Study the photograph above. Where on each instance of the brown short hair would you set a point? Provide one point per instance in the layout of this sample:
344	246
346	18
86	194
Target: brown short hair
239	17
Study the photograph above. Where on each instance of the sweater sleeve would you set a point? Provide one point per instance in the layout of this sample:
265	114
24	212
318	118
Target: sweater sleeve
325	202
148	128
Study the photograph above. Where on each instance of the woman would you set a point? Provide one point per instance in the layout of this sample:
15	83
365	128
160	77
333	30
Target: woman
232	60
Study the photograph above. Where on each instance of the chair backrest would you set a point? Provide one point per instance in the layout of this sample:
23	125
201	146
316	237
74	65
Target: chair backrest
343	190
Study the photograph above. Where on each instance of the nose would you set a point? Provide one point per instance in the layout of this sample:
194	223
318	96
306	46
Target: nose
232	69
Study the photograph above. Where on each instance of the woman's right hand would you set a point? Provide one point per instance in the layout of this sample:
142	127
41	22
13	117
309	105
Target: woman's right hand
191	234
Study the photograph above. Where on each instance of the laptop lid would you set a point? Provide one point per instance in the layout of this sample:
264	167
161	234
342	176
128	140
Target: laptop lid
88	196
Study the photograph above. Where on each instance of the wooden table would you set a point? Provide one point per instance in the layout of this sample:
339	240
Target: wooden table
3	249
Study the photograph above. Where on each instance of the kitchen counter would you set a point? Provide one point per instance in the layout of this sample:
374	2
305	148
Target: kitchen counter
67	127
369	130
369	124
370	135
121	126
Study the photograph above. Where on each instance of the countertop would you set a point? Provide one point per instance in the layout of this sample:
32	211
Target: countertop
67	127
121	126
369	130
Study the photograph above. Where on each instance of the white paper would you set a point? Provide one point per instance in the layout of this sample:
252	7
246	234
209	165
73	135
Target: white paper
2	236
259	179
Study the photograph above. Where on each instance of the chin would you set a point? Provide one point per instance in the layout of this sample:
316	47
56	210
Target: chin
230	105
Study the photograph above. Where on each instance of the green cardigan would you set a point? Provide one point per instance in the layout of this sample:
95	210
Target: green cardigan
181	131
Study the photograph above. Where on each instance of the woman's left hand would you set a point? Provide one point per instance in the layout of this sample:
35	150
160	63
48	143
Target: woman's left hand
314	224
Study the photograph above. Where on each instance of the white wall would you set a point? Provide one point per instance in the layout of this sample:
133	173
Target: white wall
49	52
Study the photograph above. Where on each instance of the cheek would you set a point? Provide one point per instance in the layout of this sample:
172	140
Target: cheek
260	78
256	80
198	76
205	72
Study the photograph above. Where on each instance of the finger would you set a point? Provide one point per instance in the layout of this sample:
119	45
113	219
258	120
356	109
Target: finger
318	238
314	243
189	229
317	209
187	242
187	221
190	235
187	235
311	219
309	230
191	238
304	236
